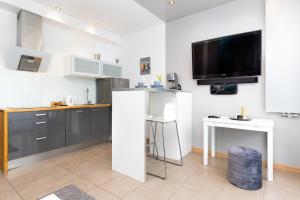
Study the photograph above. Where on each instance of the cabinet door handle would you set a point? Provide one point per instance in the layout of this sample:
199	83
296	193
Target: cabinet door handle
42	114
79	111
37	123
40	138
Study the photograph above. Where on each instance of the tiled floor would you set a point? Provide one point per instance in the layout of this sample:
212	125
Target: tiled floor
90	170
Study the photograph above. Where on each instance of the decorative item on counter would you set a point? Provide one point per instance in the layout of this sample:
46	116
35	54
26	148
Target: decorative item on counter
242	115
145	65
159	78
57	103
157	83
239	118
141	84
243	111
117	60
97	56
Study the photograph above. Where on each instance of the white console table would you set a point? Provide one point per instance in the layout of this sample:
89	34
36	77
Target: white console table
261	125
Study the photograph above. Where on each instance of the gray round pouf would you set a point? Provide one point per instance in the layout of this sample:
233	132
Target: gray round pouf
245	168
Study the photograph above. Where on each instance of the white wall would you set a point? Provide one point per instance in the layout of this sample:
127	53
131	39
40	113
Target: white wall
146	43
236	17
21	89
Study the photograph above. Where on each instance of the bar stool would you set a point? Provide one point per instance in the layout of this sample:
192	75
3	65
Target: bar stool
168	117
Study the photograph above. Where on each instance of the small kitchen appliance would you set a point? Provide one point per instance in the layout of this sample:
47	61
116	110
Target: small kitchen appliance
172	78
69	100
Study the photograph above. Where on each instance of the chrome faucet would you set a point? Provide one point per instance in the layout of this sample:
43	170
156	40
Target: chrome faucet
87	96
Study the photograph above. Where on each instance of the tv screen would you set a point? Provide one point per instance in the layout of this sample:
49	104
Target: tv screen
230	56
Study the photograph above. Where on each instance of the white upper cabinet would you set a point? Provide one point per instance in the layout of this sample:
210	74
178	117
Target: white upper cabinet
111	70
78	66
282	56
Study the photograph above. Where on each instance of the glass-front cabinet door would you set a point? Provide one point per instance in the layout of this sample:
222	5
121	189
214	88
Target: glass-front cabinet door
85	66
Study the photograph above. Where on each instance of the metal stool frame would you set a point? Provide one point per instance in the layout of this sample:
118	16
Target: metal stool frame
154	132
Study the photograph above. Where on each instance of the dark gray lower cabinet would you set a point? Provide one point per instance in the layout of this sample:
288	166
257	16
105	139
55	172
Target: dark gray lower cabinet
77	126
36	132
100	122
28	135
56	129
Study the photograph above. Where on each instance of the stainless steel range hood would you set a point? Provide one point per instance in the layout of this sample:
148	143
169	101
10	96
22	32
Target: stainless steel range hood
29	43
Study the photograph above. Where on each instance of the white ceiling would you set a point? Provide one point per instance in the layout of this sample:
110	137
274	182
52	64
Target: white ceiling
121	17
181	8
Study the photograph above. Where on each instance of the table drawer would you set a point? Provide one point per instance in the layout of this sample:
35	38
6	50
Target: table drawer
34	115
21	144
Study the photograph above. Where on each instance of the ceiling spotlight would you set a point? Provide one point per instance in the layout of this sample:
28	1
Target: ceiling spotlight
57	8
172	2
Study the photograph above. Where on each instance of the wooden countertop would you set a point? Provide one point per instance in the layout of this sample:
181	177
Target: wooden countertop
9	110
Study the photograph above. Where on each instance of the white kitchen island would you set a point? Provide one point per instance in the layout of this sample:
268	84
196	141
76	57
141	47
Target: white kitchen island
130	129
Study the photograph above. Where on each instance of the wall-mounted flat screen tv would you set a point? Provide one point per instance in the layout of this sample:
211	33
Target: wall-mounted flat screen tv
231	56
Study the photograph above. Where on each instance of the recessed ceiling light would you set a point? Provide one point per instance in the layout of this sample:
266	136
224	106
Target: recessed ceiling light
172	2
57	8
95	23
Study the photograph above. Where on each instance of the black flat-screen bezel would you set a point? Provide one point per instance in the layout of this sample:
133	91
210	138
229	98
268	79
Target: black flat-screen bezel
233	74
